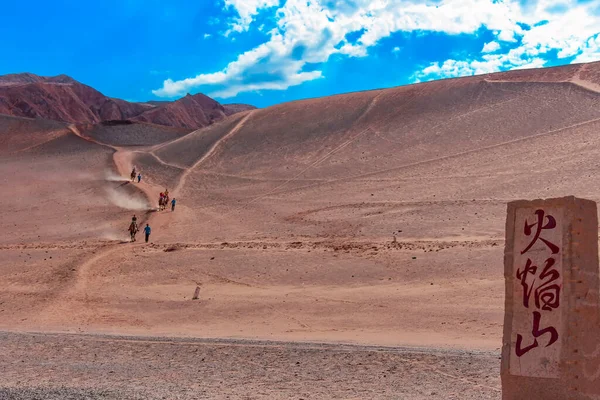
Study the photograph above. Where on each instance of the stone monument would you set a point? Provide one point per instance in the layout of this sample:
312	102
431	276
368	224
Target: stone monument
551	346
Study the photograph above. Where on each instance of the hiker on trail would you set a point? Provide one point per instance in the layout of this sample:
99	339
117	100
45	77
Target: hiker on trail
139	177
147	232
173	204
133	174
132	231
133	228
161	201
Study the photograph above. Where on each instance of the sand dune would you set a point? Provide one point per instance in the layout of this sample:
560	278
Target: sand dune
371	218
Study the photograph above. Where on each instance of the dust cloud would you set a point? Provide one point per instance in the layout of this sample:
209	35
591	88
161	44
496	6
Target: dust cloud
111	176
113	235
127	202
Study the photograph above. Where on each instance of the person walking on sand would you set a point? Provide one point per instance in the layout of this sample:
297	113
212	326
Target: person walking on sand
173	204
139	177
147	231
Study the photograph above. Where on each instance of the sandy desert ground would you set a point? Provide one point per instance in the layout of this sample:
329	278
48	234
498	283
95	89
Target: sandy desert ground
334	241
99	367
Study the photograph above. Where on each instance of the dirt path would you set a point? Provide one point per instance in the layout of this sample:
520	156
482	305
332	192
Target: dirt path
347	142
594	87
210	152
163	162
60	305
123	161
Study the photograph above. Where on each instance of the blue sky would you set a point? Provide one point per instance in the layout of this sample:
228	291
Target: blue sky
265	52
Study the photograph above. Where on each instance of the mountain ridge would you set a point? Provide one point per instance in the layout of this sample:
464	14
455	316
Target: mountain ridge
62	98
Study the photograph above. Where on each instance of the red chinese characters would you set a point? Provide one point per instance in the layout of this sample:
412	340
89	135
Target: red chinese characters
541	285
551	224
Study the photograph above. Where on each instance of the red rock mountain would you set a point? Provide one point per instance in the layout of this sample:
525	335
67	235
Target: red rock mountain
190	112
62	98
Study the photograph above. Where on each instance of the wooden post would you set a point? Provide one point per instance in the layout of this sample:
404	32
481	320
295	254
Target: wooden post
196	293
551	346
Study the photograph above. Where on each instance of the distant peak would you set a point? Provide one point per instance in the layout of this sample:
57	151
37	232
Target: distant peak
28	77
25	75
201	95
62	78
20	78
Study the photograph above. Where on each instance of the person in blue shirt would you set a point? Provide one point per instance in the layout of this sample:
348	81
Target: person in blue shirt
139	177
173	204
147	232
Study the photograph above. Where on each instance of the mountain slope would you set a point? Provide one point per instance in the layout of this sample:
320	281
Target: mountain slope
188	112
62	98
231	109
373	149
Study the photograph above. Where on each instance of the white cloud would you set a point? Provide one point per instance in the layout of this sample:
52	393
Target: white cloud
247	10
590	51
396	49
562	26
516	58
456	68
207	35
507	36
533	63
491	47
309	32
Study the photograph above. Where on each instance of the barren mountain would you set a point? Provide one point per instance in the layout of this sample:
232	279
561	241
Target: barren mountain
188	112
374	218
62	98
231	109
